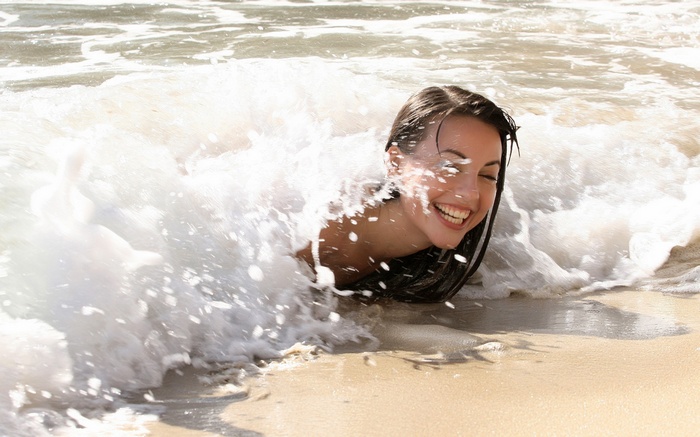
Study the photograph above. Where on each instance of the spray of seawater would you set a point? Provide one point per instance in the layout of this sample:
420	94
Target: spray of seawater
149	223
163	238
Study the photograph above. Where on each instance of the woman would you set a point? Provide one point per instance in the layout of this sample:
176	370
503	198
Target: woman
446	160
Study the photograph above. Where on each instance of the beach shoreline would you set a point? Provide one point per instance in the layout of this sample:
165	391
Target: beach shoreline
632	371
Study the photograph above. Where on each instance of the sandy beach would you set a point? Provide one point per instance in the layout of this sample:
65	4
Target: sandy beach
623	362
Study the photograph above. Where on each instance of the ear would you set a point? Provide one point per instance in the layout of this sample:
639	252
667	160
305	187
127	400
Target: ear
394	158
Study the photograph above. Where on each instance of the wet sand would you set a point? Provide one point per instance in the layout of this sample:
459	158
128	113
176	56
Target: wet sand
623	362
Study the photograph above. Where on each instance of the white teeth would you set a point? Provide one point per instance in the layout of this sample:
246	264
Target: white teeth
451	214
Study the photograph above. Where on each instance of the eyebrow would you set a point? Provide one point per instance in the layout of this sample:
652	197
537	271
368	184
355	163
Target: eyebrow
461	155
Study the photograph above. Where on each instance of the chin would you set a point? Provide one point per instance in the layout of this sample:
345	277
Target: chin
446	245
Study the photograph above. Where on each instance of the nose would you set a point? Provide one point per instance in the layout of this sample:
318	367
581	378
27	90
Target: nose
467	187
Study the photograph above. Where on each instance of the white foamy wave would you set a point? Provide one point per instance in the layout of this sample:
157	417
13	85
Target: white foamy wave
151	222
688	56
595	205
35	364
166	235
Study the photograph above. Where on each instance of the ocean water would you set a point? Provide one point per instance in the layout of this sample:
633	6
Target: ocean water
160	163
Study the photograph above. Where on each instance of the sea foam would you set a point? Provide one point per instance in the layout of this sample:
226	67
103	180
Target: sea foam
150	223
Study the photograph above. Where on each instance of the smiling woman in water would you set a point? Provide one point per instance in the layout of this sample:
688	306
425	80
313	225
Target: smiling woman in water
446	159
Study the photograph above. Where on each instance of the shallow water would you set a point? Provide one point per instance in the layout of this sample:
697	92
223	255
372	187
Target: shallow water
159	163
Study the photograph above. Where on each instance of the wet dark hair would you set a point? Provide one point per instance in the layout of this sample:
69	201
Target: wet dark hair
434	274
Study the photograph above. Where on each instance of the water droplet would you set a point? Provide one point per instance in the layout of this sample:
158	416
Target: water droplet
256	273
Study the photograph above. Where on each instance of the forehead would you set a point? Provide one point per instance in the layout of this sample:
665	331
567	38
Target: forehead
462	135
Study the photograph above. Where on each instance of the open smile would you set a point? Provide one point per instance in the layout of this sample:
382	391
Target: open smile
451	214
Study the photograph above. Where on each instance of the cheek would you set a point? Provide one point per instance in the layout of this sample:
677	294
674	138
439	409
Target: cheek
415	203
487	197
418	182
489	194
419	192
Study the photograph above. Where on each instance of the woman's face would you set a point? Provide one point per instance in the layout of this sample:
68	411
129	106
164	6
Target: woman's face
447	192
